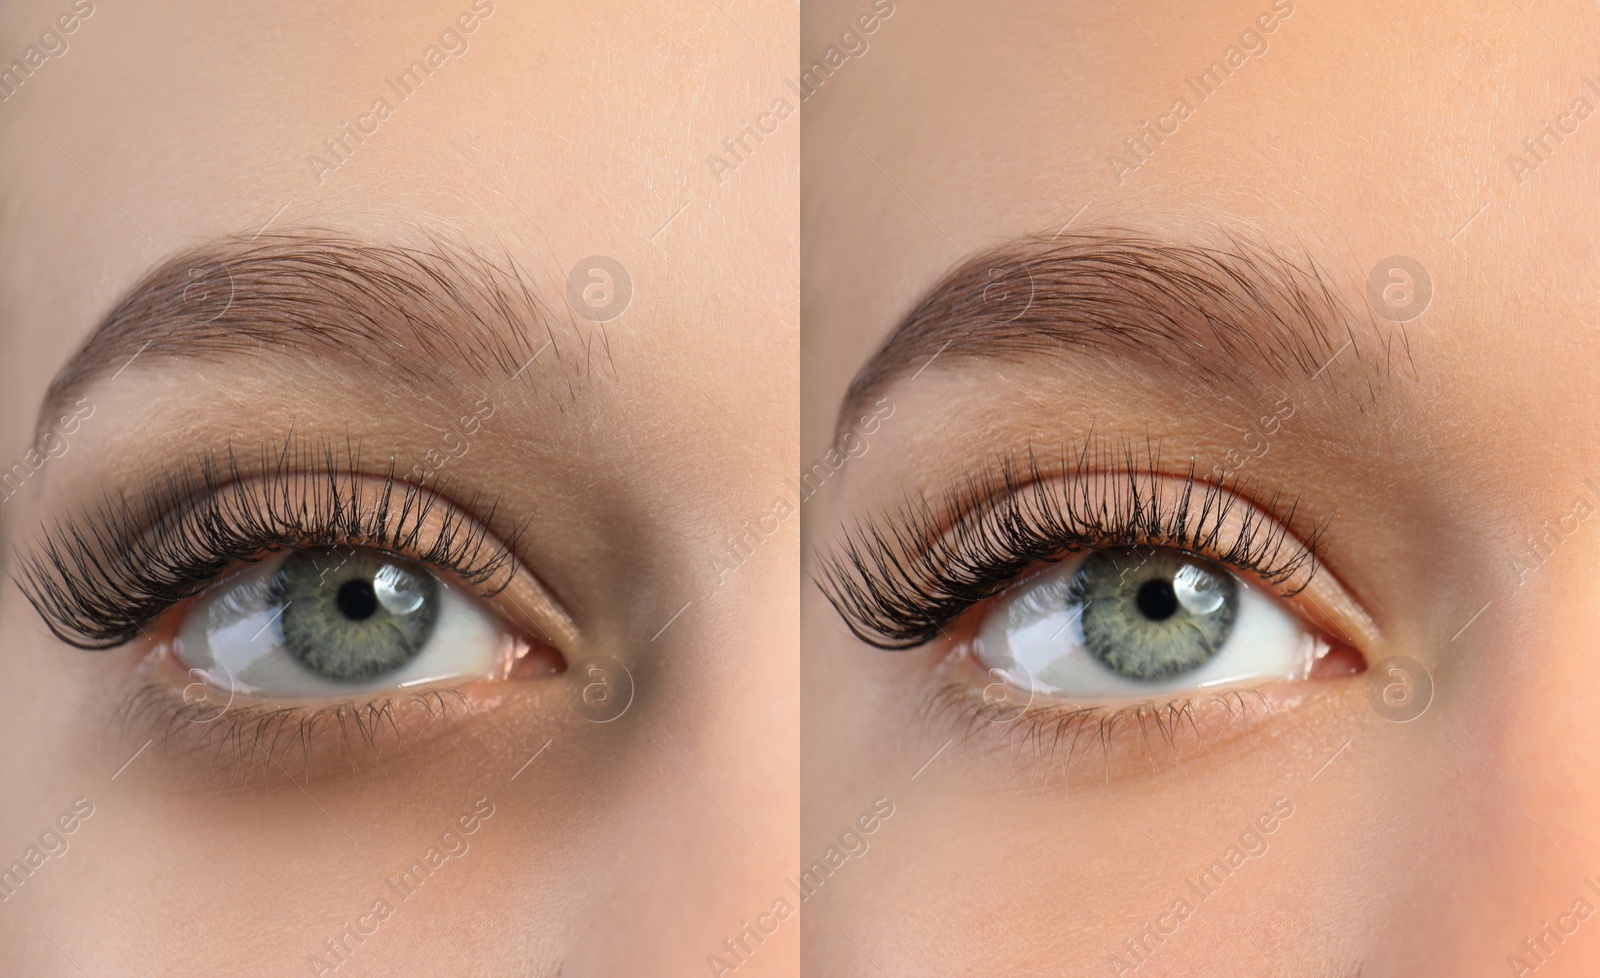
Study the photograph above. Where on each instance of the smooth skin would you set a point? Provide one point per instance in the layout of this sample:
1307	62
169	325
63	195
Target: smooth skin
634	846
1430	847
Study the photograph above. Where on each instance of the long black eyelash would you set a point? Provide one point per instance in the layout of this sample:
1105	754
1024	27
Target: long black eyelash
898	580
99	577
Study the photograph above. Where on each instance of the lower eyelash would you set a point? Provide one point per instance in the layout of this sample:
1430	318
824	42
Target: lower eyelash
245	740
1055	739
899	579
101	576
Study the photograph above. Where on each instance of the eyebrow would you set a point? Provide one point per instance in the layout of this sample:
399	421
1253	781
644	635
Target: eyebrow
1208	313
313	292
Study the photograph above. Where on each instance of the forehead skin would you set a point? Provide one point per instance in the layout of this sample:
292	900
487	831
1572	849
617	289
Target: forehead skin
108	144
1362	132
1352	136
552	138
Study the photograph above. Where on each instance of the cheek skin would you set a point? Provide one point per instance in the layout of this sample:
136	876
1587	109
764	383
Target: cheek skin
1369	797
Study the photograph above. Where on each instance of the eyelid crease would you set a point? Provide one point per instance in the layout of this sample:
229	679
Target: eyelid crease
898	580
101	576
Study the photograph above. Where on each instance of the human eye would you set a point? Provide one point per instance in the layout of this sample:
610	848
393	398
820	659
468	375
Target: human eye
1097	588
329	622
297	589
1139	621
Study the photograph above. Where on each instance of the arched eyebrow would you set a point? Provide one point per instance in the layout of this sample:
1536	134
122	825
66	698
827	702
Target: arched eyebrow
1201	313
312	293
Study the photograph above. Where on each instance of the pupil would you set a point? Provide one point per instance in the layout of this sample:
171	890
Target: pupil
1157	600
358	601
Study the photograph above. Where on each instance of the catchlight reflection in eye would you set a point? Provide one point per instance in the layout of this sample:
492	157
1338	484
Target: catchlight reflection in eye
1131	622
329	622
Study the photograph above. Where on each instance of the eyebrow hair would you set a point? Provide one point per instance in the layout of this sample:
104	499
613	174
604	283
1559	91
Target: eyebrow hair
315	292
1208	312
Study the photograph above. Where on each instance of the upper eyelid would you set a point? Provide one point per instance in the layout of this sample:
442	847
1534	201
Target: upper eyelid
94	603
882	572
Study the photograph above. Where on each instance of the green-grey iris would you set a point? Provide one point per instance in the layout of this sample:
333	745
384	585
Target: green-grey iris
1152	613
355	614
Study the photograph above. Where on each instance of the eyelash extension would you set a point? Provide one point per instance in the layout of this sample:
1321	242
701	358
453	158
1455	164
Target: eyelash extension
99	577
898	580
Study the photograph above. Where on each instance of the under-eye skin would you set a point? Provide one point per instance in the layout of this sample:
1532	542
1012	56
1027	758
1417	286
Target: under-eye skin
1099	581
269	592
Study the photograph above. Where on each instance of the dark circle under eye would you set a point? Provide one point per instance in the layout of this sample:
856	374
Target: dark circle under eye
1153	613
353	614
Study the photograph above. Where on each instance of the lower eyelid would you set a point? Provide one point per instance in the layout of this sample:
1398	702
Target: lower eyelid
211	735
204	734
1007	741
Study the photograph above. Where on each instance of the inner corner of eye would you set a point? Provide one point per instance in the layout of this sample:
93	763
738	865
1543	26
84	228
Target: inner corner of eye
330	622
1118	622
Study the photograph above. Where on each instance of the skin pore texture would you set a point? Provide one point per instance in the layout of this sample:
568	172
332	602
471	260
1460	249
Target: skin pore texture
1448	459
617	459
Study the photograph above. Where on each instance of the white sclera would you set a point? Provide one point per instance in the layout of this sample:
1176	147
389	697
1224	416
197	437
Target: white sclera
232	636
1034	637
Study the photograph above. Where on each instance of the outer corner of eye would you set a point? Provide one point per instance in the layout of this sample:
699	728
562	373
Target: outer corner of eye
331	622
1130	622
